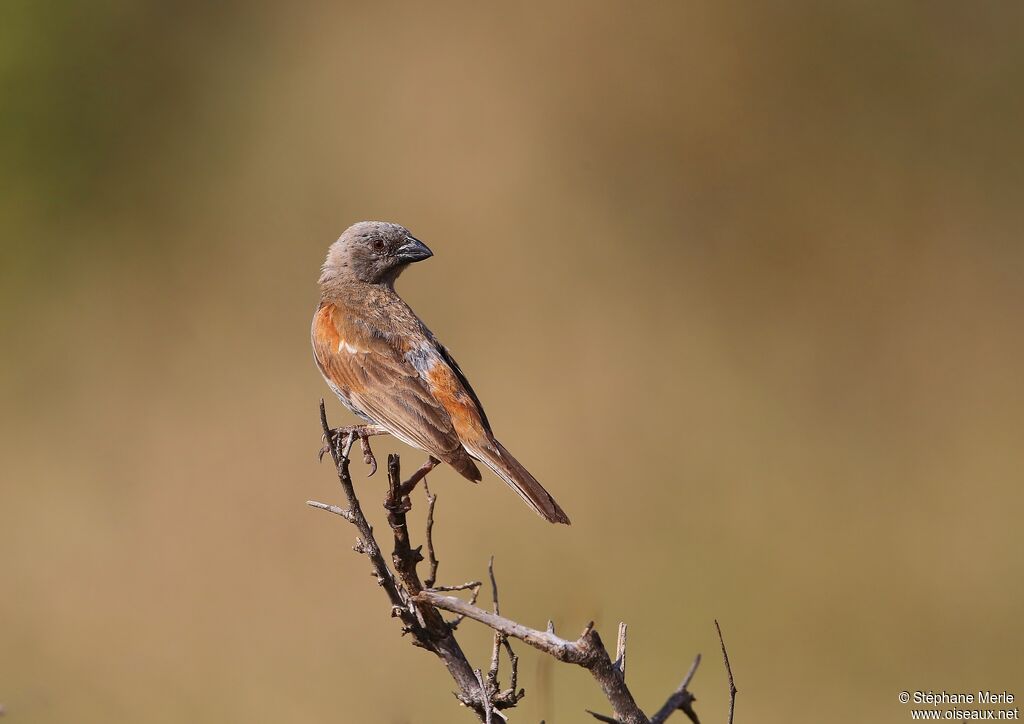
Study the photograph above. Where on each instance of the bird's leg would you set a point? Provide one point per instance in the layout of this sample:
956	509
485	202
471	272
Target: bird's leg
342	438
368	458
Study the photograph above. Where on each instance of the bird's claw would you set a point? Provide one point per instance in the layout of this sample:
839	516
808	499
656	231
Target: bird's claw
368	458
334	443
339	443
324	450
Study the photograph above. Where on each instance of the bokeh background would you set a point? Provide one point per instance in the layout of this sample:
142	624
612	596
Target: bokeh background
742	283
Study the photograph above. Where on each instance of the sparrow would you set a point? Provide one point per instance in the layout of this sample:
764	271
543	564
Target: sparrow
388	368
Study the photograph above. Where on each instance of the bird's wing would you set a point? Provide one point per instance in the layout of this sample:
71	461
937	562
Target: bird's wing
447	355
448	385
381	382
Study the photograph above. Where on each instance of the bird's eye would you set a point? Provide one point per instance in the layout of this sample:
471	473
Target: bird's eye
378	245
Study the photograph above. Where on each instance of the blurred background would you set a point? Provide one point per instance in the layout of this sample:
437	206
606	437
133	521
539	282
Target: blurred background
741	284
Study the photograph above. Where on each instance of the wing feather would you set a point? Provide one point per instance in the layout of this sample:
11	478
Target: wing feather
380	383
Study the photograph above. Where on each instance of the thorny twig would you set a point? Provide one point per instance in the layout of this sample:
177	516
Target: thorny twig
436	638
620	650
418	604
467	586
432	561
681	699
501	641
728	670
473	595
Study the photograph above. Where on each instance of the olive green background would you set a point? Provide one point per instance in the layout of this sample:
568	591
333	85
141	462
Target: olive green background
741	283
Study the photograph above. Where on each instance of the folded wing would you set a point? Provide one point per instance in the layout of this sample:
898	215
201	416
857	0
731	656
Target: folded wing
380	382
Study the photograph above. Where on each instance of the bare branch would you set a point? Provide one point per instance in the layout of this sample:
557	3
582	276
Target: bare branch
366	542
499	638
337	510
545	641
433	632
428	629
681	699
494	585
484	697
512	695
409	485
418	604
467	586
514	672
728	670
620	650
492	672
587	651
431	578
454	624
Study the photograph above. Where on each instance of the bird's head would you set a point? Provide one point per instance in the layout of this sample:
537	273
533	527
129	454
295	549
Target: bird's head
375	252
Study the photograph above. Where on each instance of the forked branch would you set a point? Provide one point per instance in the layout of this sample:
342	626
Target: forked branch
424	623
418	604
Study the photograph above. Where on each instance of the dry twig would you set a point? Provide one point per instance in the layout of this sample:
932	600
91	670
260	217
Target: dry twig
587	651
620	650
681	699
418	604
424	623
431	578
728	670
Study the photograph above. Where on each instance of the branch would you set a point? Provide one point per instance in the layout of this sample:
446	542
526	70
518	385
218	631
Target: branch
681	699
501	642
728	670
418	604
424	623
620	650
432	628
587	651
366	543
431	556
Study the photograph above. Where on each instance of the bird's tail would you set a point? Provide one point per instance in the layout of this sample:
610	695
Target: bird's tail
494	455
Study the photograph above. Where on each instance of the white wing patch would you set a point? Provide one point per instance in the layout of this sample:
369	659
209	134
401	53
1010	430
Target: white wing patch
344	346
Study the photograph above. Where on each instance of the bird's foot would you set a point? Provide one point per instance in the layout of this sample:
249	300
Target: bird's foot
339	442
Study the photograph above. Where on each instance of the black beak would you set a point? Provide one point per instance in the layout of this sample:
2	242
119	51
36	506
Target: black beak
413	250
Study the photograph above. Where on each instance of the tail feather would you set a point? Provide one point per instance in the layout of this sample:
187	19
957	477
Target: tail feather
463	463
506	467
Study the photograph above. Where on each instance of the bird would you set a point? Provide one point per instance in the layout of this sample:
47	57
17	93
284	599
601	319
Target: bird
389	369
